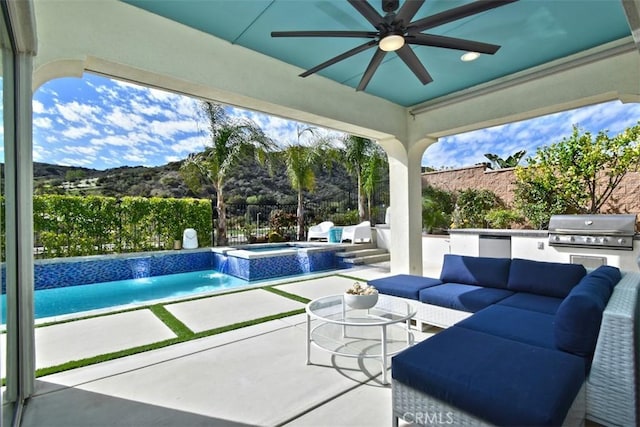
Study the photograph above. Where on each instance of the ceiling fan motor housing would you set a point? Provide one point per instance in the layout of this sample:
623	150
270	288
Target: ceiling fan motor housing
390	5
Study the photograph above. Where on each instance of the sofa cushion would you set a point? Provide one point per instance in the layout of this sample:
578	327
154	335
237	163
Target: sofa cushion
459	296
529	327
605	274
544	278
580	314
502	381
533	302
483	271
403	285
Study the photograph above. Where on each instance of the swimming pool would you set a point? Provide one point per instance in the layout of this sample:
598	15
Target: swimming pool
71	285
74	299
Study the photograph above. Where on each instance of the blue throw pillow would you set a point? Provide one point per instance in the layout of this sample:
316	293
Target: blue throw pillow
553	279
578	318
480	271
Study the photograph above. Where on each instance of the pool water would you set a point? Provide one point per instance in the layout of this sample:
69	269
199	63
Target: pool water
74	299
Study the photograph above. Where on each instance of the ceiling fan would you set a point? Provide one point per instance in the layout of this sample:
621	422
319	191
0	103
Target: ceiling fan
394	32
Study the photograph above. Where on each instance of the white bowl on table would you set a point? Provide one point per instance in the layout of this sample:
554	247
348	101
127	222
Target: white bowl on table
361	302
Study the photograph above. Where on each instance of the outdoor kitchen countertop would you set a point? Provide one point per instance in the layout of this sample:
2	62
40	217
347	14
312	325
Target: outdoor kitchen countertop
507	232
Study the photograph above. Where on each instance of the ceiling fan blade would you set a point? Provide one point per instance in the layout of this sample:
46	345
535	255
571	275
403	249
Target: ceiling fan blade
367	11
409	10
452	43
455	14
358	34
339	58
409	57
371	69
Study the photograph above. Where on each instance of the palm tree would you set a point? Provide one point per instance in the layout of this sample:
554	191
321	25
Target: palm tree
373	172
230	139
498	162
300	163
358	154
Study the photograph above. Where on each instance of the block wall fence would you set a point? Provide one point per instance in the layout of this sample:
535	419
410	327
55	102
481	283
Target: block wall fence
626	198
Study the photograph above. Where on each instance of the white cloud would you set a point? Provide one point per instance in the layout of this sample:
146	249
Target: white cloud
38	107
168	129
43	122
170	159
126	121
116	140
68	161
76	112
72	149
189	145
79	132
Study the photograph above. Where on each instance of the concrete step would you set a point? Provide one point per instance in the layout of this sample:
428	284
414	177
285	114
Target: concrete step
361	253
348	247
370	259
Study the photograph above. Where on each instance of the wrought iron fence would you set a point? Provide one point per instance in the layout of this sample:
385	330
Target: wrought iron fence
260	223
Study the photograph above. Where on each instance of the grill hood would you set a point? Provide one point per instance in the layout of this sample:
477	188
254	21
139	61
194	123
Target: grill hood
600	231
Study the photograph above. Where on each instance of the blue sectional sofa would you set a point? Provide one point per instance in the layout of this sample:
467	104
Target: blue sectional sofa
526	343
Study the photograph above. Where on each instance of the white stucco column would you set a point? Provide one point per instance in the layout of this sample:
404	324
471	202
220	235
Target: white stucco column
405	186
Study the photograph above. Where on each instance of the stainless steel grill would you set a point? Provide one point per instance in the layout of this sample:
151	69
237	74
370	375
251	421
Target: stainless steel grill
593	231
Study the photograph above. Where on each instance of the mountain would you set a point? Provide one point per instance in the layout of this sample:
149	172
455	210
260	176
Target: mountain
246	180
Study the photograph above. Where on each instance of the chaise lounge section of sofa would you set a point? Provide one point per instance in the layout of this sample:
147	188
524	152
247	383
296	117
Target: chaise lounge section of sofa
527	343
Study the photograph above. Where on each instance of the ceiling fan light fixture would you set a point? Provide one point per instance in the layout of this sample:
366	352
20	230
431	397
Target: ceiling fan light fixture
391	43
470	56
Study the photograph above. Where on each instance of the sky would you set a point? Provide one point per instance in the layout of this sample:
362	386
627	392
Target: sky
100	123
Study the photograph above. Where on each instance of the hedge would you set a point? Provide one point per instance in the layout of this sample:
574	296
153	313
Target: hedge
90	225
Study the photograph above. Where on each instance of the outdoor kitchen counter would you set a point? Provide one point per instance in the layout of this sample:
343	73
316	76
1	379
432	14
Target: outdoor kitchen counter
507	232
530	244
499	232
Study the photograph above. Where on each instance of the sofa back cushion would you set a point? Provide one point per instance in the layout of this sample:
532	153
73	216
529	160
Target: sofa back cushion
481	271
578	318
552	279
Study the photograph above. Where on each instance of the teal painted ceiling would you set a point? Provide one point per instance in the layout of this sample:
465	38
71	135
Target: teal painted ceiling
530	33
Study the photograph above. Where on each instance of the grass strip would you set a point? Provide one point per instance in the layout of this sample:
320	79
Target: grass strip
352	277
287	294
154	346
178	328
246	323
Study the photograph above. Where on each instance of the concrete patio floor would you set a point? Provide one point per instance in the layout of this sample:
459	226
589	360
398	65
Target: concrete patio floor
250	376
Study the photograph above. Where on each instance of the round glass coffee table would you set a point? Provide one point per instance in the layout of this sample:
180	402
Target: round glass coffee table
379	332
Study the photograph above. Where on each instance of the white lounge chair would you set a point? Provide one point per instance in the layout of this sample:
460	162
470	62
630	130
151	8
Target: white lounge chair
320	231
355	233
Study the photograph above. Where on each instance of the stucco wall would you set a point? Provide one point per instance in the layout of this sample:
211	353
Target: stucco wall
626	198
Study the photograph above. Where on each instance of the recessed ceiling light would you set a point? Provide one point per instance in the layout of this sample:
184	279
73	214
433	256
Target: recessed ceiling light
470	56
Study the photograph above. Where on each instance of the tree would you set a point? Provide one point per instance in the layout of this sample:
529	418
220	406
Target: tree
373	168
230	139
300	163
578	174
498	162
361	156
437	207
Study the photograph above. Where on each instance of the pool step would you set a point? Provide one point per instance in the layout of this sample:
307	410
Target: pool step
364	256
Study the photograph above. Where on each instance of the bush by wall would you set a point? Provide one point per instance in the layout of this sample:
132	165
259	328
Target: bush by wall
91	225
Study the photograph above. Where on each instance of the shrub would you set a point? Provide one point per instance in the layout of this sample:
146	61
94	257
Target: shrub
437	207
503	218
473	206
275	237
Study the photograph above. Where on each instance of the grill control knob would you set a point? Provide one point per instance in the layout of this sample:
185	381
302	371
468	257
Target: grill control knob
572	239
588	239
556	238
622	241
605	240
